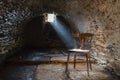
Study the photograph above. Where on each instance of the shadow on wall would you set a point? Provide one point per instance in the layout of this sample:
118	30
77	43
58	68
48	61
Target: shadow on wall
42	36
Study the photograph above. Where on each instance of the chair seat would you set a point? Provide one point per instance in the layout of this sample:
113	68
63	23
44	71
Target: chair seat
79	50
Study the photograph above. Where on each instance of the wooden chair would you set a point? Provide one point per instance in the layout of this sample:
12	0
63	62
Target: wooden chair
84	50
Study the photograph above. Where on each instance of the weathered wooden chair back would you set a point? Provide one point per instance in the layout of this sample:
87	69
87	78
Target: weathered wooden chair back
85	40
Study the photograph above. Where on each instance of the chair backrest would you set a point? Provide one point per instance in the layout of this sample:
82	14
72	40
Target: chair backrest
75	36
85	39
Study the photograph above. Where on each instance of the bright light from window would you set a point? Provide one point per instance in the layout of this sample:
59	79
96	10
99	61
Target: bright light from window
50	17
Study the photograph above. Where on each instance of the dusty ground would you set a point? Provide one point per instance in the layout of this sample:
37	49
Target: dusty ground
15	72
49	71
57	72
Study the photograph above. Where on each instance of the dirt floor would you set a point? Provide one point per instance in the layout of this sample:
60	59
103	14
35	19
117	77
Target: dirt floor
57	72
20	70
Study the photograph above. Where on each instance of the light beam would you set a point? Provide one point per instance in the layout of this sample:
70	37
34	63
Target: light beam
63	33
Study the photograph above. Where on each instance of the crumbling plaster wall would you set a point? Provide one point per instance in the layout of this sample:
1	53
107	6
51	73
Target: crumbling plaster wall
100	17
103	17
104	22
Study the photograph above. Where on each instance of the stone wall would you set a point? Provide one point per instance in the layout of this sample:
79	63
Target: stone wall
104	22
12	14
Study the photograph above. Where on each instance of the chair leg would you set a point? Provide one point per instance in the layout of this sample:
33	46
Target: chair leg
90	62
67	62
75	60
87	58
